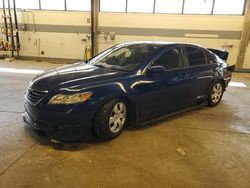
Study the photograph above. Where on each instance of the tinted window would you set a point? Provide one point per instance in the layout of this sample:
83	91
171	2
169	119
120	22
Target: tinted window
195	56
170	60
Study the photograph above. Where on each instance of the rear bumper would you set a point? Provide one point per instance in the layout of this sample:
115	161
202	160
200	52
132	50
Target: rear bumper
227	76
227	80
63	126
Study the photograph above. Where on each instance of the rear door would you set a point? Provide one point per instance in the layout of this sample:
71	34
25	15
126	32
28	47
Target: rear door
200	73
164	91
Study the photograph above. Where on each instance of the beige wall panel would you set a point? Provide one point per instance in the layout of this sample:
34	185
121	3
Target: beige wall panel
56	45
55	17
70	46
198	22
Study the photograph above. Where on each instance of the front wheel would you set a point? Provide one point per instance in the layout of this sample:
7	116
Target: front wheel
215	94
110	120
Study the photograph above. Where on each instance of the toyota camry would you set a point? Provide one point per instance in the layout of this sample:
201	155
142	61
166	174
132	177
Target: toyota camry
124	86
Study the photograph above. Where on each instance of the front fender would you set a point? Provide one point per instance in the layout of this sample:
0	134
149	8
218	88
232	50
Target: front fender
106	92
116	90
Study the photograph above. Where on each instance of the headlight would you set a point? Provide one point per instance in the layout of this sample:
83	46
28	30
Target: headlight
70	99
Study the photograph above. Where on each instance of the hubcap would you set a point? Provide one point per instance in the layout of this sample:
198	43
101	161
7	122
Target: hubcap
216	93
117	117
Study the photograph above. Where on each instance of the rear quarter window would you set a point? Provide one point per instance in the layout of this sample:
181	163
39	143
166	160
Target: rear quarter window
210	58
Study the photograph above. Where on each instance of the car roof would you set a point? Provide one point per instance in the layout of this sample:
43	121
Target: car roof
163	43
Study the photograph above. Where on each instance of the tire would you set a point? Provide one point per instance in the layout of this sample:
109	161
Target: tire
215	94
111	119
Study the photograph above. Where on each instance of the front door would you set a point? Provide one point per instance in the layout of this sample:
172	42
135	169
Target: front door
164	90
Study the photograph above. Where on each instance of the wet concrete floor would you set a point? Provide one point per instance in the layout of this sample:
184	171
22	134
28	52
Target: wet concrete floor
216	142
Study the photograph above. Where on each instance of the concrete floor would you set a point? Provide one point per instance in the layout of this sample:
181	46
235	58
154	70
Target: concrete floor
216	142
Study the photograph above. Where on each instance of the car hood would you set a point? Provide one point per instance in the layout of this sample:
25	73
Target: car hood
78	74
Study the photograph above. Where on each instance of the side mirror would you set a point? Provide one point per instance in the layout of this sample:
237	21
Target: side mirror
156	69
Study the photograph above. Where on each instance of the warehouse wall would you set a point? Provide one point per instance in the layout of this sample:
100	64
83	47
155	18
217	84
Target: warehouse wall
209	31
61	33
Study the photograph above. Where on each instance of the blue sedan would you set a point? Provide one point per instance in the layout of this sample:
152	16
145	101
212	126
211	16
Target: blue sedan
125	86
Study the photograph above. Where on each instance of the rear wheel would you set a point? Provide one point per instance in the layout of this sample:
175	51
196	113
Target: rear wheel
215	94
111	119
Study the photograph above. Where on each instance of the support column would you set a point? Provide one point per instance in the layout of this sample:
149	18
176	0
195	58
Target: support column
94	26
245	36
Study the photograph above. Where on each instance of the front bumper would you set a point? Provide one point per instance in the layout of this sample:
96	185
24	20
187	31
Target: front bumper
70	126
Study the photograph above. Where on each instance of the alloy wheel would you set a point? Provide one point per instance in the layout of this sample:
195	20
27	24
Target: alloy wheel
216	93
117	117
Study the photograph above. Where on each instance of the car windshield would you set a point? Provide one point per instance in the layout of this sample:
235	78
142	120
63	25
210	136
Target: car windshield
125	58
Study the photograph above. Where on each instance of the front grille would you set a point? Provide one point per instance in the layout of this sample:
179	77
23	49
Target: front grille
35	96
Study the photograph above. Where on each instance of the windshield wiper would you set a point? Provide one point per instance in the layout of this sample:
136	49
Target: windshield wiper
101	66
106	67
109	67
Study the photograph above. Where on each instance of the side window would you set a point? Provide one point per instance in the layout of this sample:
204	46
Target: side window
195	56
170	60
